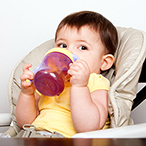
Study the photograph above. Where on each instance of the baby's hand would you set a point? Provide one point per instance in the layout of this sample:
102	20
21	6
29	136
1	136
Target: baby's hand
26	86
80	73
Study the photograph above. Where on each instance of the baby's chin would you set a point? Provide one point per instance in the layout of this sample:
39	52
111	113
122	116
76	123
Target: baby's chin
97	72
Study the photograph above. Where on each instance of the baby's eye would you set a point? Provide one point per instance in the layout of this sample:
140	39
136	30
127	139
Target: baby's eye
83	48
62	45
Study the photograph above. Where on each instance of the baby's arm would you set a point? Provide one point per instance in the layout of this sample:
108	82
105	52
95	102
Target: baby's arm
89	110
26	108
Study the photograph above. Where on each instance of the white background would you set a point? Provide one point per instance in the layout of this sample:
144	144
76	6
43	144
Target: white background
25	24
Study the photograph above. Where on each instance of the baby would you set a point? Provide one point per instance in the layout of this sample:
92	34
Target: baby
83	105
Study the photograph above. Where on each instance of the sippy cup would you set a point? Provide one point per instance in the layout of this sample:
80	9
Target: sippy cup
51	74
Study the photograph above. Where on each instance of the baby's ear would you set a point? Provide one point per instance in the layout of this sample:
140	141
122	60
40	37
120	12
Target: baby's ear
108	61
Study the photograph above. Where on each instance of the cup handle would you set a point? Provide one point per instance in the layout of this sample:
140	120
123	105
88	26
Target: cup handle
75	57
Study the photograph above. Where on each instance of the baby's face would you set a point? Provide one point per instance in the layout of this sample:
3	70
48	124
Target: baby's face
84	43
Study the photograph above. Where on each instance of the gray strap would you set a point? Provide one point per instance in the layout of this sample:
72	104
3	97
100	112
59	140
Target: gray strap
28	130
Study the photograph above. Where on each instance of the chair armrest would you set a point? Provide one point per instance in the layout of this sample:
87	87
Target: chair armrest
5	119
132	131
11	131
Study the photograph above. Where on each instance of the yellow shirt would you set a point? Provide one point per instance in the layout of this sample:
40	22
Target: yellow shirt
55	114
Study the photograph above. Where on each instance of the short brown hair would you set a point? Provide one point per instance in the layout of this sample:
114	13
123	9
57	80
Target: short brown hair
95	21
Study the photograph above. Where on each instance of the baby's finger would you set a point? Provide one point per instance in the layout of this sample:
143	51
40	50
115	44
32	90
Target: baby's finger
82	63
28	75
72	72
77	66
26	84
26	67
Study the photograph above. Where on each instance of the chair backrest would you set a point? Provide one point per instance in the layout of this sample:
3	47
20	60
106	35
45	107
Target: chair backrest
130	56
124	77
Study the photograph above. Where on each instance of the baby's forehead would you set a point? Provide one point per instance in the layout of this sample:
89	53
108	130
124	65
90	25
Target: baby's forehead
79	29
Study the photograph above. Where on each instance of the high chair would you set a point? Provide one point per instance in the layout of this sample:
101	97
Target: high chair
124	77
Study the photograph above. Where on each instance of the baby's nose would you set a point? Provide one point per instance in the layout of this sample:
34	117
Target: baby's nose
71	49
